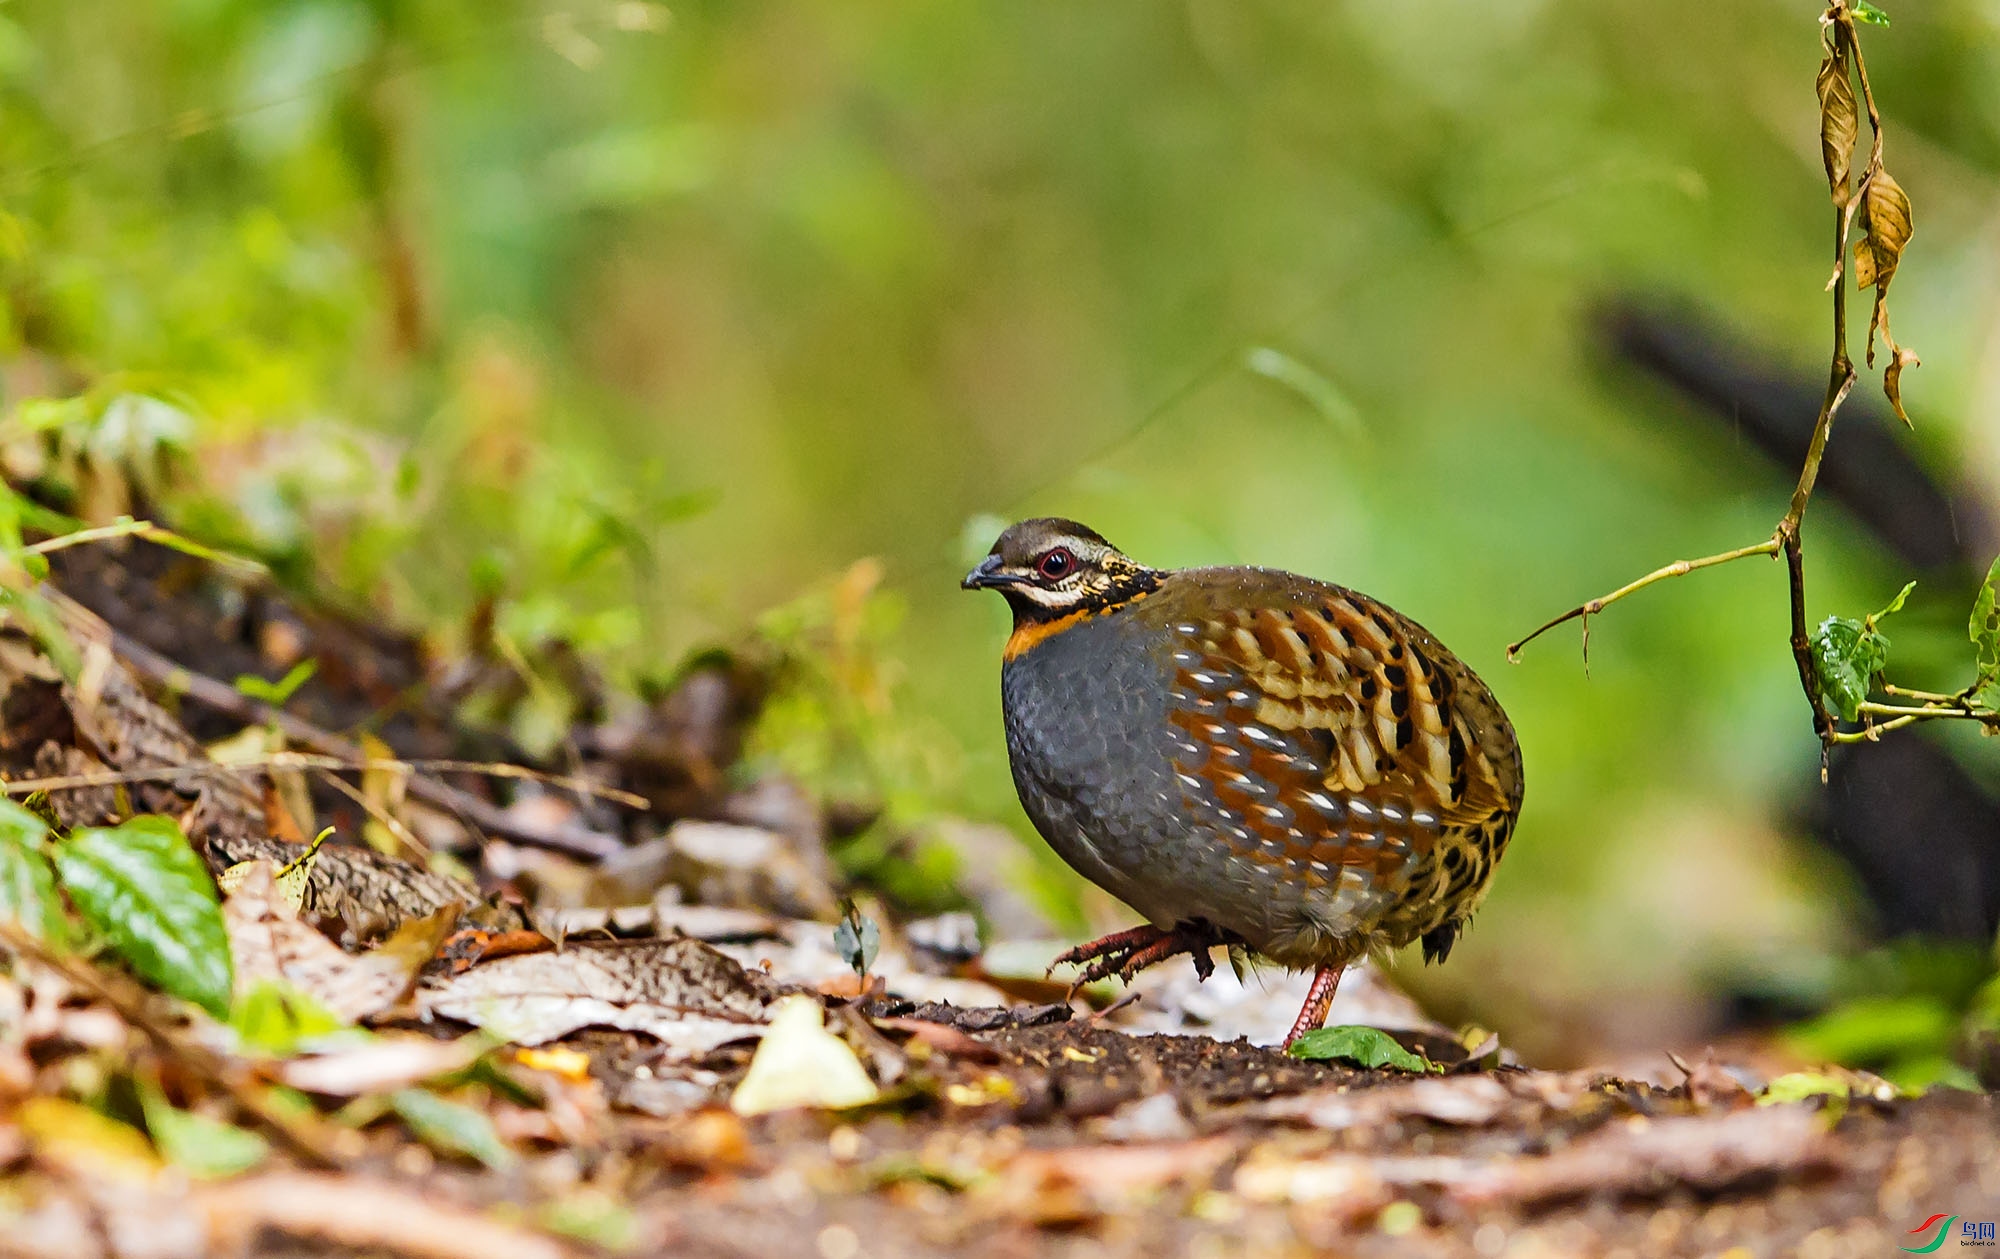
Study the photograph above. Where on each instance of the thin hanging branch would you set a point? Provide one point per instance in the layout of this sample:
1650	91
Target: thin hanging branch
1878	205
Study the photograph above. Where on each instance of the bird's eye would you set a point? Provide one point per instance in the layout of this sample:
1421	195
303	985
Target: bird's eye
1056	564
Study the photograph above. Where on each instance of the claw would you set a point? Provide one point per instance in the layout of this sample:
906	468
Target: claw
1126	953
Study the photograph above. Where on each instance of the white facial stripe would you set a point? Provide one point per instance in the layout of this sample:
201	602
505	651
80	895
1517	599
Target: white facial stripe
1045	597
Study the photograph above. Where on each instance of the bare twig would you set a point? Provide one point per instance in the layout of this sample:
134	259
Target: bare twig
389	821
1679	568
316	761
1957	707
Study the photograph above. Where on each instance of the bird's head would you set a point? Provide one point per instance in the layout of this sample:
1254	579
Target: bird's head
1049	568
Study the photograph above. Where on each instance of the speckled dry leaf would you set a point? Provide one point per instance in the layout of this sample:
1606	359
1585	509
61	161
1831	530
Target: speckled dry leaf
682	992
269	941
1837	124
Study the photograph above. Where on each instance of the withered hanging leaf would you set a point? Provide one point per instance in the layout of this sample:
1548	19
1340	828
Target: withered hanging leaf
1887	218
1885	215
1864	264
1838	124
1892	381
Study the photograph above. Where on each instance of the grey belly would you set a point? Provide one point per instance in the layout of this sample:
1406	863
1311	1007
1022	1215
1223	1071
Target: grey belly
1090	746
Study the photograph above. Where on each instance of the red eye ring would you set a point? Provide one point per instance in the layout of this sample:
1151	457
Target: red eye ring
1056	564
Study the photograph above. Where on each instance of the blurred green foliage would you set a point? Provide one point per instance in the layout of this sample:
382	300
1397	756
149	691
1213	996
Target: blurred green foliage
638	319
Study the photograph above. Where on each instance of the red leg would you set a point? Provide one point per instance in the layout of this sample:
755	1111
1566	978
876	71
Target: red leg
1319	1001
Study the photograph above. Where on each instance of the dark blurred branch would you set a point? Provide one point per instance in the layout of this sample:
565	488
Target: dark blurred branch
1870	472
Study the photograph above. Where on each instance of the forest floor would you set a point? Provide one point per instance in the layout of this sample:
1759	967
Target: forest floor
653	976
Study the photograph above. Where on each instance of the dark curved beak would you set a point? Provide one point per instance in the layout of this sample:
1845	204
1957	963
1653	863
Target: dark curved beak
987	575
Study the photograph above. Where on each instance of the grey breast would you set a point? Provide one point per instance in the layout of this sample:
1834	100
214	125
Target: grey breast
1086	736
1093	754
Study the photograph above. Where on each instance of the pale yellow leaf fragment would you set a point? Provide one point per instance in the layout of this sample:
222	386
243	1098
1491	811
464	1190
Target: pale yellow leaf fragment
801	1064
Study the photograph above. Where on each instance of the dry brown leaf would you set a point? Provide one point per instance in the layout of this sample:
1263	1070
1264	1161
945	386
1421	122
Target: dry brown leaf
682	992
269	941
1886	216
941	1038
1864	264
1344	1186
1711	1084
1892	382
1838	124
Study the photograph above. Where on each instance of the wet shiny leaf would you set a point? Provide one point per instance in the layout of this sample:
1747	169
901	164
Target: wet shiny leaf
1362	1046
143	887
1847	655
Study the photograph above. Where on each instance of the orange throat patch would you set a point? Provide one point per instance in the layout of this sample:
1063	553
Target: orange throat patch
1030	633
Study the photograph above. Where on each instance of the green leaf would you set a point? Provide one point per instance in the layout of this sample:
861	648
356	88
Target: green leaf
1797	1086
1984	627
143	887
278	1019
1921	1074
1870	1030
1895	604
590	1215
1362	1046
1866	12
857	939
27	887
204	1148
1847	655
276	693
452	1128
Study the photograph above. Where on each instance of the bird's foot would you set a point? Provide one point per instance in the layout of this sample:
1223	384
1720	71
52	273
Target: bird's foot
1126	953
